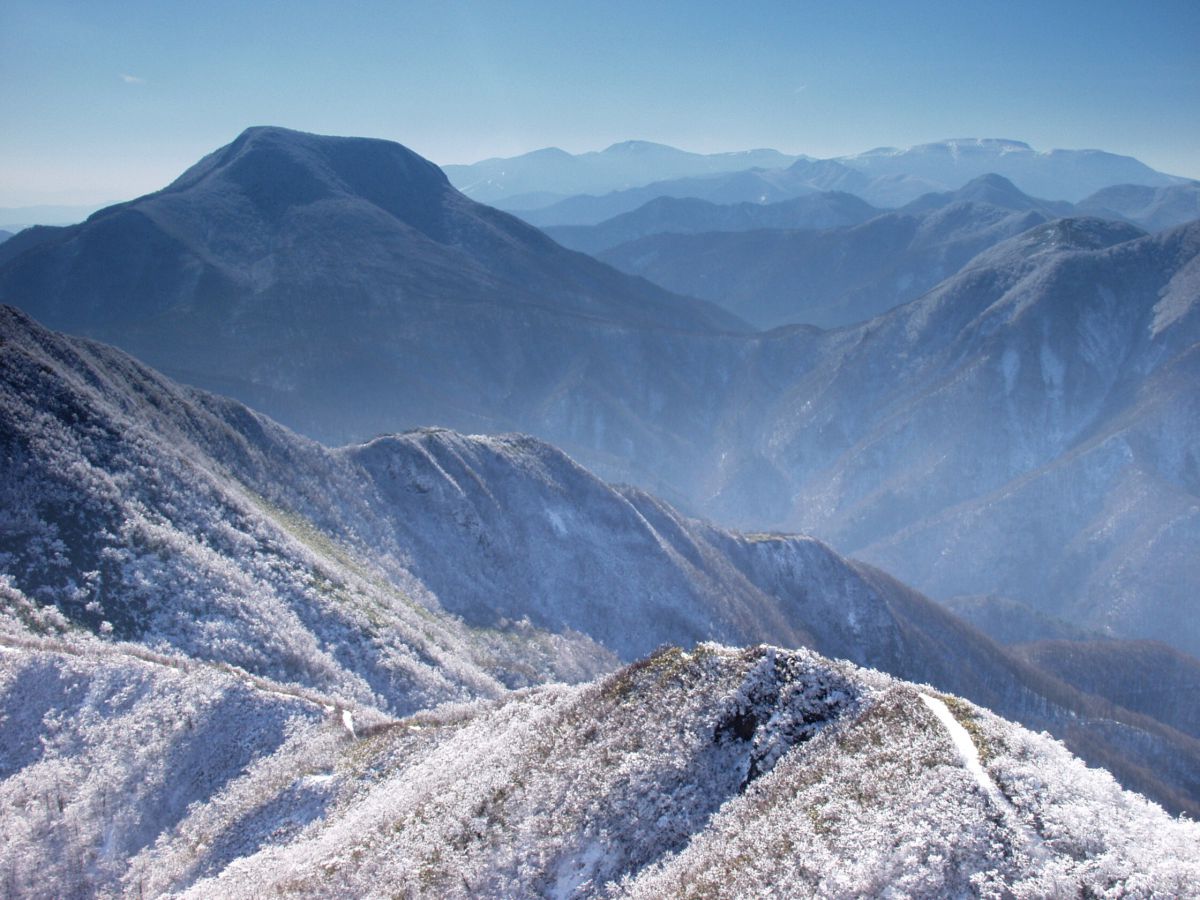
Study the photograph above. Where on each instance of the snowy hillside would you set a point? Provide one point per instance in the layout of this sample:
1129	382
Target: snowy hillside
715	772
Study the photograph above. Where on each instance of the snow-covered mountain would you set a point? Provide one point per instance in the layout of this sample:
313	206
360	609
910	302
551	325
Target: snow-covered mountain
432	566
716	771
628	164
153	513
312	276
1027	428
834	276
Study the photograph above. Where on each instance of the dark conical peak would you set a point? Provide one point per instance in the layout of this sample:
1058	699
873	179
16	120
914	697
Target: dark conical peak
277	168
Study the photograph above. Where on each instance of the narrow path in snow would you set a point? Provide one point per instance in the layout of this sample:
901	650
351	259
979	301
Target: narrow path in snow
970	757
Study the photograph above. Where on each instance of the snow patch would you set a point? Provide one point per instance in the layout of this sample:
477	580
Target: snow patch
970	759
1010	365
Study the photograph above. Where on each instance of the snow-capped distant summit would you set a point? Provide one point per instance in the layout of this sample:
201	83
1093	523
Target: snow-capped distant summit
638	147
952	146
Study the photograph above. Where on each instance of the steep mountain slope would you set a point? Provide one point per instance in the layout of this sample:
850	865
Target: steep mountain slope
1152	208
154	513
138	509
900	439
839	276
827	209
1028	428
1007	621
623	165
1147	676
105	748
657	780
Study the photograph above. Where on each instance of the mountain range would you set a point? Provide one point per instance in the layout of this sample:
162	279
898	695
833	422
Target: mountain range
1025	428
688	215
552	172
267	719
832	276
235	661
885	177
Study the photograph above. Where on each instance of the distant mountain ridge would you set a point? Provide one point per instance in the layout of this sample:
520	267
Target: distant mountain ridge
626	164
1057	174
827	209
1152	208
886	177
830	277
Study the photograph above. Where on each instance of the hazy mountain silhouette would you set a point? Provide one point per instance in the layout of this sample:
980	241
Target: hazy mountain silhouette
826	209
1152	208
836	277
885	177
1024	428
623	165
314	276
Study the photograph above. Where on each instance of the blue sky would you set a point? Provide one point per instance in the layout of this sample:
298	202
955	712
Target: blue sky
106	100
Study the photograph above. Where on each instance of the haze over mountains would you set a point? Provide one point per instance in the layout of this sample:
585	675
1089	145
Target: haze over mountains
834	276
885	177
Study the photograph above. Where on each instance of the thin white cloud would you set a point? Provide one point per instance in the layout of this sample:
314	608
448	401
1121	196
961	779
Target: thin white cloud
801	89
132	79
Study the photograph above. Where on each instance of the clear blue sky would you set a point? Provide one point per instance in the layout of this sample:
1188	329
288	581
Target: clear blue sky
105	100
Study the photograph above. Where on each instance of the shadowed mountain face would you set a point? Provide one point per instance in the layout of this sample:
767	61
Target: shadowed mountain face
838	276
702	773
429	566
1030	423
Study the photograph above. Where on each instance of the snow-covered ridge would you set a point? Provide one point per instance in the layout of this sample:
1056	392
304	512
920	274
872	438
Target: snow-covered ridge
720	771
